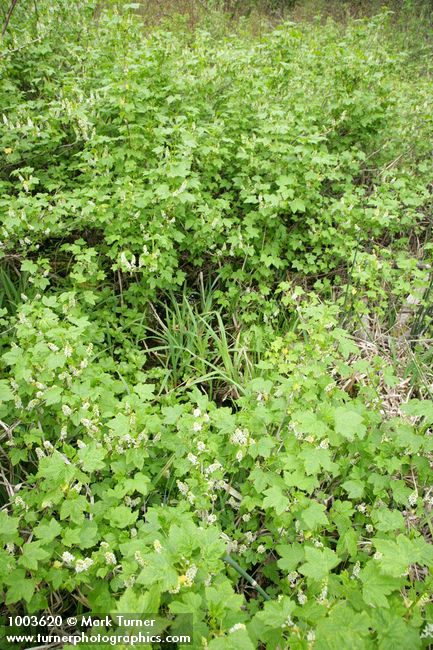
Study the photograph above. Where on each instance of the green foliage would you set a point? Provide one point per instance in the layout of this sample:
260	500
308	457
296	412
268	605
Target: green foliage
186	425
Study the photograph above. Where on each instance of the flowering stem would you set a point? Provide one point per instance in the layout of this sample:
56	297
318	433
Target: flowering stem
246	575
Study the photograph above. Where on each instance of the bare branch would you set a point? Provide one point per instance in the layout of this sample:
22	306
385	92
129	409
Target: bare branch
12	6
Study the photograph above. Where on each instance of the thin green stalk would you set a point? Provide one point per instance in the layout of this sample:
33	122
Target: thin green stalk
246	576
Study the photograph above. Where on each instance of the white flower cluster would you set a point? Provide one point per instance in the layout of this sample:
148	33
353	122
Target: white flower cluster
292	578
214	467
231	545
110	558
302	598
233	503
356	571
427	632
324	593
311	636
68	558
182	487
185	491
236	627
126	441
130	502
19	502
139	559
157	546
240	437
190	575
83	565
287	623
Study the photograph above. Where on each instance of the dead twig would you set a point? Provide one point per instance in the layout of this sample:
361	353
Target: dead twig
12	6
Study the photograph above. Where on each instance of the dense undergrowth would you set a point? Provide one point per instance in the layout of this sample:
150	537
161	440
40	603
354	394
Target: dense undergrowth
216	309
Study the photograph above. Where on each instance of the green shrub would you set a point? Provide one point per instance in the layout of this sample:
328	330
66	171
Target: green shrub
185	424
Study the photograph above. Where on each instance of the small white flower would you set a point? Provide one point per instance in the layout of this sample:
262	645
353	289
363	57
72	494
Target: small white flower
139	559
83	565
239	437
211	519
412	499
324	593
369	528
182	487
236	627
261	549
356	571
67	350
292	578
302	598
192	459
201	446
53	347
10	548
39	453
361	507
66	410
214	467
110	558
197	426
239	456
190	575
197	412
157	546
311	636
427	632
246	517
68	558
